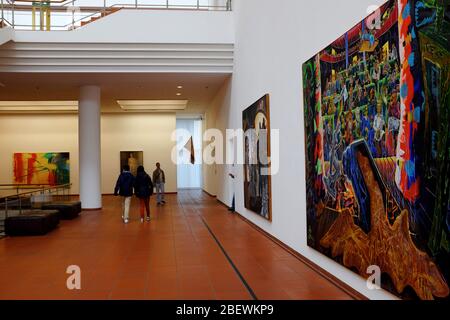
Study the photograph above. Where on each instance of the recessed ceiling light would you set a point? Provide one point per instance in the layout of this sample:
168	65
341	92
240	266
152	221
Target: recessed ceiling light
178	94
180	87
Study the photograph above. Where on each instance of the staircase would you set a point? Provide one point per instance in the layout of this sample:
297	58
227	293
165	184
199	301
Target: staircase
104	13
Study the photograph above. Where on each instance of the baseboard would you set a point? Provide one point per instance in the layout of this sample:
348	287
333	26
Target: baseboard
209	194
336	281
95	209
154	194
222	203
103	194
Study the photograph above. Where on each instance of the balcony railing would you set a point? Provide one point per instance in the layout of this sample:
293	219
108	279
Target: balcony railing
64	15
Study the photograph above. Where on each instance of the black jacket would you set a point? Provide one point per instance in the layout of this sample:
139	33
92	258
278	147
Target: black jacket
124	185
143	186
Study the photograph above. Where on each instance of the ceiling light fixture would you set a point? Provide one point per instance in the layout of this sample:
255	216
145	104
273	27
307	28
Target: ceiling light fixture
38	106
180	87
178	94
153	105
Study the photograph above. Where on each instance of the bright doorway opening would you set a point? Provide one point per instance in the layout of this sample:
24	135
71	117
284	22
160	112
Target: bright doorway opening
189	175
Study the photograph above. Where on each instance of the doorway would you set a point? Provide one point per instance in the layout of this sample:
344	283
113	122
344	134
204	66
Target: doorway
189	175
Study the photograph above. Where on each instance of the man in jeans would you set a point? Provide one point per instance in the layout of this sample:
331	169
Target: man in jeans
159	179
124	188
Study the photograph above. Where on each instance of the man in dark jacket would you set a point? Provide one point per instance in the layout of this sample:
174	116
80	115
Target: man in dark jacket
159	179
124	188
143	188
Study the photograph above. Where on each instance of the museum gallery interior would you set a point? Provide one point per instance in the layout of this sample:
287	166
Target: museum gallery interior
302	148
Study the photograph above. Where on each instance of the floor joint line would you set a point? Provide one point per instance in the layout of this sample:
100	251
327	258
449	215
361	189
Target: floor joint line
236	270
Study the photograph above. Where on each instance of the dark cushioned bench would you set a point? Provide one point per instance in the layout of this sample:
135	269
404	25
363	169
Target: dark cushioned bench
31	223
67	209
16	204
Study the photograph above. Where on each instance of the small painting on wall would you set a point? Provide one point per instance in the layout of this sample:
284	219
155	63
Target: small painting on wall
257	180
51	168
132	158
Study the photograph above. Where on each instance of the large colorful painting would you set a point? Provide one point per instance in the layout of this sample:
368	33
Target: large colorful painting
257	182
50	168
377	130
132	158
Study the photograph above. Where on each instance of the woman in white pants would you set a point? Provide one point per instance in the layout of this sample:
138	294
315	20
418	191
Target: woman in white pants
124	188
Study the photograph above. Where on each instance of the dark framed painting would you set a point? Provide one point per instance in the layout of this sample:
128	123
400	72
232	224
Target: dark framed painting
257	179
132	158
377	139
50	168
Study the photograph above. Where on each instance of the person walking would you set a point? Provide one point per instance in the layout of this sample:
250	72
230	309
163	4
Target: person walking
143	189
159	179
124	188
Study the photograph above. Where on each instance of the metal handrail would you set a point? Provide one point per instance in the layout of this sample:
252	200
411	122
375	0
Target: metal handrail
65	6
16	199
21	184
43	189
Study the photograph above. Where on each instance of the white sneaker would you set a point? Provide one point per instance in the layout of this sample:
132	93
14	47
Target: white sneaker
142	220
148	218
125	221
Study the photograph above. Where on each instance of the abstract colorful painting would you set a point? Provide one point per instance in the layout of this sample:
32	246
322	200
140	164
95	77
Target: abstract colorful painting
377	139
50	168
132	158
257	182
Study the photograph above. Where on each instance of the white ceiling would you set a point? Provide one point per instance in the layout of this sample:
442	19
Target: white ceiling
198	89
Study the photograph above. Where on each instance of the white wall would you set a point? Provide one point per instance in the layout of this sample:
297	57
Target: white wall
145	26
38	133
150	133
215	179
161	41
273	39
6	34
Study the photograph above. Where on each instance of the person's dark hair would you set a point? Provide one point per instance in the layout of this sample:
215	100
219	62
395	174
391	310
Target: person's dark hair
126	167
140	169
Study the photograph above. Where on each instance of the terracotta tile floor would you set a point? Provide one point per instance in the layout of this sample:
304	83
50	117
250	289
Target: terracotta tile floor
172	257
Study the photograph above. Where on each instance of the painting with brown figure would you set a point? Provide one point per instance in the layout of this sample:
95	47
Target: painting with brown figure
132	158
257	180
377	139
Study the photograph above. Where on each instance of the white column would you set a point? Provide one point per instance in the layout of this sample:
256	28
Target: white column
89	147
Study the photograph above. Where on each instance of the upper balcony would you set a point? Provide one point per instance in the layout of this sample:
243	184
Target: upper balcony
66	15
160	36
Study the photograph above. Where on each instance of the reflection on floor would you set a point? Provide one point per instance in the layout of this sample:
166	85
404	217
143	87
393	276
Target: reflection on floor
174	256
